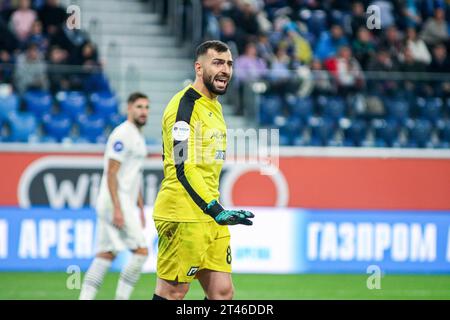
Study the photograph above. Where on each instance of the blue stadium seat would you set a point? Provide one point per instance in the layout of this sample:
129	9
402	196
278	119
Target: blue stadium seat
22	125
291	131
38	102
444	131
300	107
419	134
115	119
430	108
8	103
72	103
386	132
104	103
270	107
57	126
355	134
47	139
397	109
323	130
91	128
334	109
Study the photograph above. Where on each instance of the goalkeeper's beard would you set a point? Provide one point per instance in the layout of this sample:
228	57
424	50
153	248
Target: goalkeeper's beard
209	84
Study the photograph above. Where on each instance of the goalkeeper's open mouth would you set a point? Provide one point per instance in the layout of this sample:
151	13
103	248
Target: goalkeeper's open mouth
221	82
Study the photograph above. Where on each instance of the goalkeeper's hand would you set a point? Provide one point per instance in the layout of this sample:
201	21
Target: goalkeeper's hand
228	217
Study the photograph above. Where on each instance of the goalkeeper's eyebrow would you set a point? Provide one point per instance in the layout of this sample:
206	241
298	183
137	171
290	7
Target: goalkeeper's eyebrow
222	61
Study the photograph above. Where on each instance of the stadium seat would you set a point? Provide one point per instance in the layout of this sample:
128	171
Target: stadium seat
323	130
57	126
300	107
397	109
430	108
386	132
115	119
334	109
91	127
444	131
419	134
72	103
104	103
355	134
38	102
8	103
270	107
22	125
291	131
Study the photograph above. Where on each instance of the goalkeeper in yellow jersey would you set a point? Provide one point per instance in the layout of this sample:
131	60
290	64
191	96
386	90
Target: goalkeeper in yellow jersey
194	241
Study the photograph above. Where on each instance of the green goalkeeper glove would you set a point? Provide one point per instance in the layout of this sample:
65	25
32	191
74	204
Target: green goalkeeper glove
228	217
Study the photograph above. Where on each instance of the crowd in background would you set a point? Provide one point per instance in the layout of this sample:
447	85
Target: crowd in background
37	49
311	47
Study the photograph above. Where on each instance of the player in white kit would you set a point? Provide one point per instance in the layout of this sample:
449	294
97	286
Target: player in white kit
120	206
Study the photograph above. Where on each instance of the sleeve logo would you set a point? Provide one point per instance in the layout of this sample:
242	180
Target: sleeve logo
118	146
180	131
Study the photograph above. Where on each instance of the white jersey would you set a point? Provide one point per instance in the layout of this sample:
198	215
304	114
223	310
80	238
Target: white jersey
125	144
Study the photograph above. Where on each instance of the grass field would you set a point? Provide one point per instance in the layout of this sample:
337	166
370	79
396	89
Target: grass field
27	285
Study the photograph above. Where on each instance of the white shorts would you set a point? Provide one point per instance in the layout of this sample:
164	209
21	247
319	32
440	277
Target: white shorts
112	239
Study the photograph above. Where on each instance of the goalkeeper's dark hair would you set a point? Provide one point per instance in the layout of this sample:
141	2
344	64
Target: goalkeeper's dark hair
135	96
216	45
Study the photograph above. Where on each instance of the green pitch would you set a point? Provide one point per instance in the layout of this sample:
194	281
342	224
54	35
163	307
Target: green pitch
27	285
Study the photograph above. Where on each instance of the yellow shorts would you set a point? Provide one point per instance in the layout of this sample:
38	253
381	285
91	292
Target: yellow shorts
184	248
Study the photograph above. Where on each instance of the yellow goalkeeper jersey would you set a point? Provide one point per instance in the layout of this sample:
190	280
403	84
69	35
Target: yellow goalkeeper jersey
194	144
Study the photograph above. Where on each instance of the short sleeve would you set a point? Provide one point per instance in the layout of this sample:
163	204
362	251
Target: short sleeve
117	147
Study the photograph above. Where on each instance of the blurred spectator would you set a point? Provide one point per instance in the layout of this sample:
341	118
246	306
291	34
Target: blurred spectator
300	48
417	47
249	66
89	53
329	42
71	40
359	18
322	83
411	14
22	20
280	75
386	12
410	64
392	41
37	37
58	76
52	16
440	62
231	35
212	11
245	16
385	63
363	47
93	78
264	47
435	29
6	66
346	70
30	71
8	41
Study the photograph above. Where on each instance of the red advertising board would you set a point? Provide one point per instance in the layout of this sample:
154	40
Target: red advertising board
315	180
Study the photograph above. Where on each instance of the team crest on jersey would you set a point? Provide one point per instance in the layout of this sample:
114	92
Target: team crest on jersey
118	146
181	131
